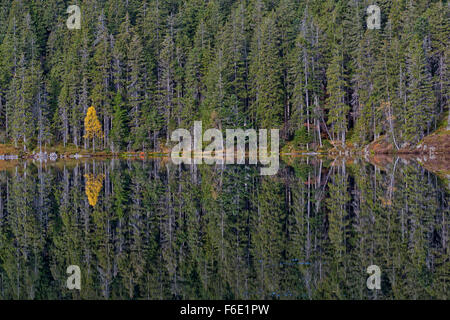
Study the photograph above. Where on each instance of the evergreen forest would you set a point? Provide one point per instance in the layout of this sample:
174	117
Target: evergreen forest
311	68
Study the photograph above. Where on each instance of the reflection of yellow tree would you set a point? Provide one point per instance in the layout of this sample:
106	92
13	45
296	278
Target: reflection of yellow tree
93	186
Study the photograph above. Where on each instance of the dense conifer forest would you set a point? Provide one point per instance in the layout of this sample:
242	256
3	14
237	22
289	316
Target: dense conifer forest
311	68
146	228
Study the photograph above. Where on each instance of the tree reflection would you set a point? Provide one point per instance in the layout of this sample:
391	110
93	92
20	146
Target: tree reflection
152	230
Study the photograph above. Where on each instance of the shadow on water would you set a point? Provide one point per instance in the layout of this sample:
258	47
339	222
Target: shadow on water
147	229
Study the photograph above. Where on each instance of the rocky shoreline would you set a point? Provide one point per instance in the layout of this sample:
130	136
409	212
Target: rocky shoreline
436	145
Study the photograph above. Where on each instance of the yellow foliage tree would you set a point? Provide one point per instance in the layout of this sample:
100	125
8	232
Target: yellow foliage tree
92	126
93	186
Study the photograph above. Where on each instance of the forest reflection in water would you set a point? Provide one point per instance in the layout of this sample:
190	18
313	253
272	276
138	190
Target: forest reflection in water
152	230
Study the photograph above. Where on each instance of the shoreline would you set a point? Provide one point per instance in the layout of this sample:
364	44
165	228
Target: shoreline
435	145
333	153
437	162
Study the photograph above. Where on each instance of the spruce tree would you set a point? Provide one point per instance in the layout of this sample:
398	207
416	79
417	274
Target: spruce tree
420	98
119	130
266	76
336	101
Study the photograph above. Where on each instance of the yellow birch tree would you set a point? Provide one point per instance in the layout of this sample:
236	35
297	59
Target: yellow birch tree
92	126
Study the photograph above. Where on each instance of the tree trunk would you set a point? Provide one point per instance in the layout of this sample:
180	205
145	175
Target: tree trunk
448	121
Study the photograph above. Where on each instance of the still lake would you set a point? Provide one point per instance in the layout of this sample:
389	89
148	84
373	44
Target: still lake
148	229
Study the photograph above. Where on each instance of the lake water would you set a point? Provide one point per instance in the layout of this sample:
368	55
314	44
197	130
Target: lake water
147	229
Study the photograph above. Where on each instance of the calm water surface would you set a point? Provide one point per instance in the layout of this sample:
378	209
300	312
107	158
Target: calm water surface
153	230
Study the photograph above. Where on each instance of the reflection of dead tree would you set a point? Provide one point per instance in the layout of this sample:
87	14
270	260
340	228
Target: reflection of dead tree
320	195
391	186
